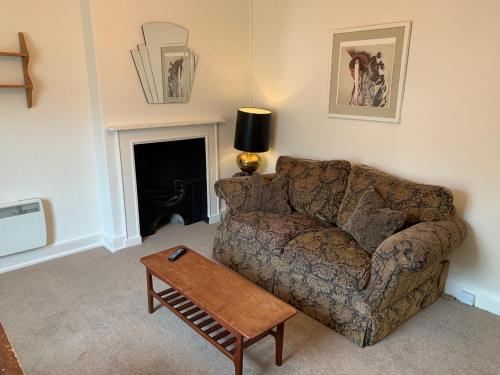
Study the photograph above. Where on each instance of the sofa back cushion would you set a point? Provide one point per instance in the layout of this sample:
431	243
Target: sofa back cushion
267	195
420	202
315	187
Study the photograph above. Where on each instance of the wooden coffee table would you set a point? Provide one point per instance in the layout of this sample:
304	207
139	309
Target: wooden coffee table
226	309
9	365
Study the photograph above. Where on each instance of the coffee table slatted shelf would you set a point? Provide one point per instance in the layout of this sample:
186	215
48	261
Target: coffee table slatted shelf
203	323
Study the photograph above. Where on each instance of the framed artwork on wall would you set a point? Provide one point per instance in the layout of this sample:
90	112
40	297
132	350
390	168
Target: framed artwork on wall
367	72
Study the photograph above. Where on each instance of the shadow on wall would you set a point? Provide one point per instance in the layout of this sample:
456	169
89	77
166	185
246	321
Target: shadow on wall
274	122
34	53
467	255
266	164
269	158
6	96
49	221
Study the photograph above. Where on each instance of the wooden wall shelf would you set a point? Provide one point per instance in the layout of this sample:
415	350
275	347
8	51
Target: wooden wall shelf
25	57
20	86
13	54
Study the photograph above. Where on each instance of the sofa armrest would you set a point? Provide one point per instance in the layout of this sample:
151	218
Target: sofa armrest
235	191
409	258
421	245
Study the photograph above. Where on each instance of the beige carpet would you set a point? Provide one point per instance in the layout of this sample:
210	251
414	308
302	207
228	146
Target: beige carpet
86	314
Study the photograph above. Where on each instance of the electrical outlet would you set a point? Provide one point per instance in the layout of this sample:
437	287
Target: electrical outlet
466	297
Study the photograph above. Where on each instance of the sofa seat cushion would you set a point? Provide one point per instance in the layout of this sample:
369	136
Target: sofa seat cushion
273	231
332	255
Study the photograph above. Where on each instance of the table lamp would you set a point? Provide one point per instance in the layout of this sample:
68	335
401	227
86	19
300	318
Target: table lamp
253	129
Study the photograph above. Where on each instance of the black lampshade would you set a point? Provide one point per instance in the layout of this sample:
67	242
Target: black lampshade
253	129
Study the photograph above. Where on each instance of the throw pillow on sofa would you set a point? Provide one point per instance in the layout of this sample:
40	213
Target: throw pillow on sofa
267	195
372	221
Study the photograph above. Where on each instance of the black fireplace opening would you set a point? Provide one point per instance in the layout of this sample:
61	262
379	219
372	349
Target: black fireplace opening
171	183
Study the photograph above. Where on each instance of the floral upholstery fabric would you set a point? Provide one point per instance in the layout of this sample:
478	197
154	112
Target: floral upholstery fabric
414	248
403	271
420	202
273	231
346	311
400	261
332	255
246	256
315	187
372	221
384	321
235	192
267	195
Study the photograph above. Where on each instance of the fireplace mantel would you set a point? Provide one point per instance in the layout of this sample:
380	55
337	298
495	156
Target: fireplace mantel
127	136
165	124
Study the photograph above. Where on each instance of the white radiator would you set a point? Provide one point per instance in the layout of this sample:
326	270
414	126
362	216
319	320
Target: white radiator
22	226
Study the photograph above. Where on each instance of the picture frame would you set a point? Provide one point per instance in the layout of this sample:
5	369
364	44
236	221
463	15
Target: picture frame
176	71
368	71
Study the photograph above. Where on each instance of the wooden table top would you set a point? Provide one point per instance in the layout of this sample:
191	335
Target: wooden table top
228	297
8	361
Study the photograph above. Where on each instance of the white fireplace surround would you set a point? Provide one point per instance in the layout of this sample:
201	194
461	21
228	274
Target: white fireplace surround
132	134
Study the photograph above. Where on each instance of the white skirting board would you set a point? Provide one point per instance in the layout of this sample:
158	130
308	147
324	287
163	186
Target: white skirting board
113	244
133	241
119	243
482	299
61	249
43	254
214	218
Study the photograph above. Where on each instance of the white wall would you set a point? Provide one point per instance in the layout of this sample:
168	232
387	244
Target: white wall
449	130
85	79
47	151
218	32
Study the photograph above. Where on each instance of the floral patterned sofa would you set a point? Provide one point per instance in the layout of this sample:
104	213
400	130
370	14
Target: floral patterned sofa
306	259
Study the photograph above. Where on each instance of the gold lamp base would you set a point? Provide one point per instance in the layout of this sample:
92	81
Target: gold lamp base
248	162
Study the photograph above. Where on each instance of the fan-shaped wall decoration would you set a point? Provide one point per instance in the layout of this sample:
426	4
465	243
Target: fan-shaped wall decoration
165	65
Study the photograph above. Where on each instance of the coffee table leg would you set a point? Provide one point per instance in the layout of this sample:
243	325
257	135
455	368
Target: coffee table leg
149	279
238	357
280	331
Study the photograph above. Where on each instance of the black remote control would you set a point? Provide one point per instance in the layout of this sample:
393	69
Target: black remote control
178	253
